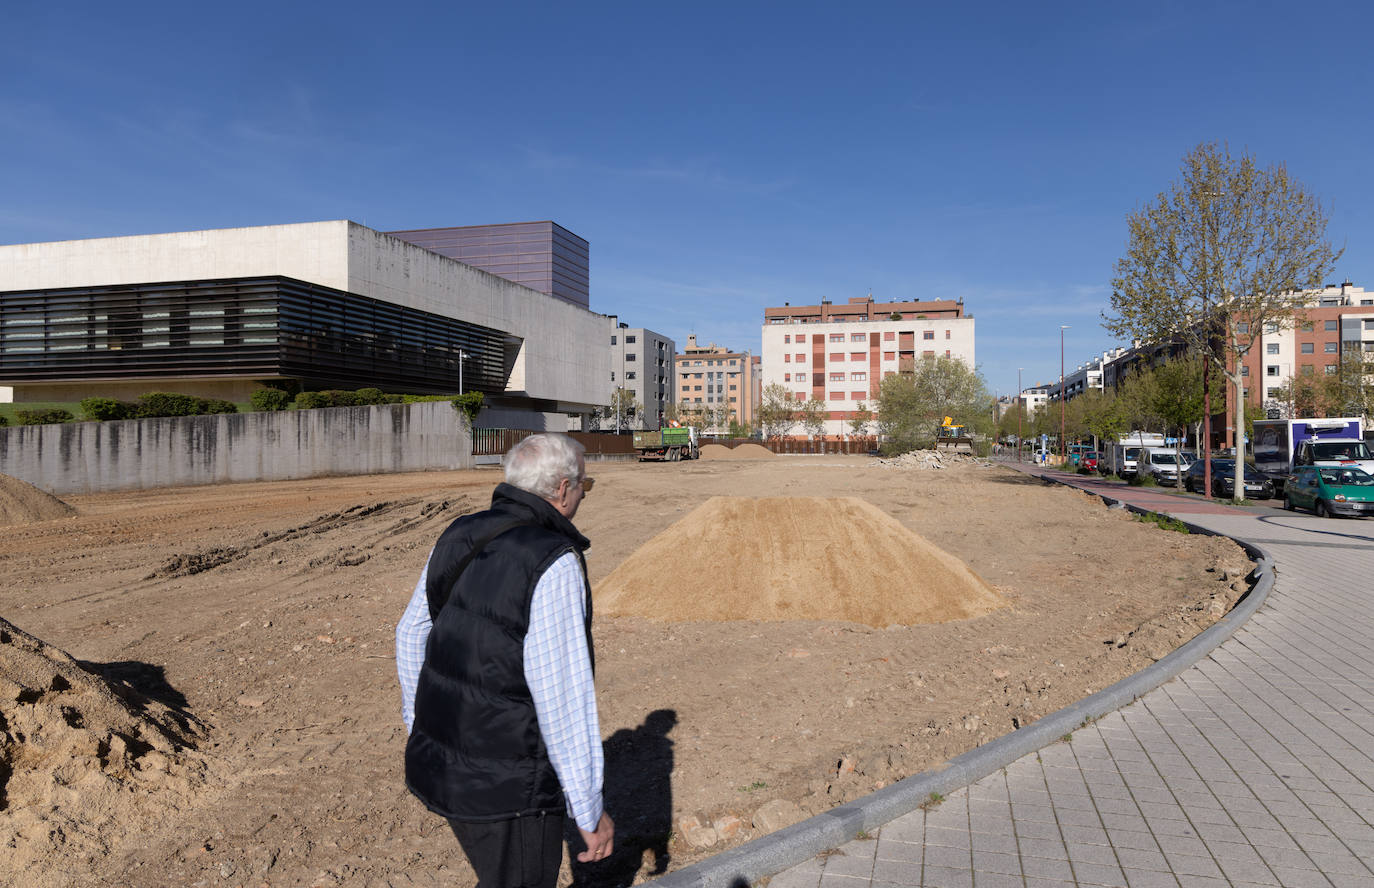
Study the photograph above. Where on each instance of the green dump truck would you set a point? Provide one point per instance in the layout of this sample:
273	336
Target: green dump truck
669	444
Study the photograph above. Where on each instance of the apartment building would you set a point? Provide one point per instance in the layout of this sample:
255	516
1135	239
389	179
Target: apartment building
642	363
713	376
1339	324
1088	376
840	354
1033	399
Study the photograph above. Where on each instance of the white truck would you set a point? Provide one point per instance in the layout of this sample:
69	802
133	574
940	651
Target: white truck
1123	457
1281	445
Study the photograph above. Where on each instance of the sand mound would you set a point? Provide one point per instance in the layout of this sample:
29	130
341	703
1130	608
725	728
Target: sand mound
793	558
21	502
81	755
739	451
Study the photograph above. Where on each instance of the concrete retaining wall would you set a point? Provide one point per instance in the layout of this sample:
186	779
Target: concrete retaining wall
92	457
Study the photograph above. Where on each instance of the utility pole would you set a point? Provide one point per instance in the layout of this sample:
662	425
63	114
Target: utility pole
1020	411
1063	444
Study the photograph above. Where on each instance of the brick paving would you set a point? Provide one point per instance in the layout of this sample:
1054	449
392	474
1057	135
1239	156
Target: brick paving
1254	767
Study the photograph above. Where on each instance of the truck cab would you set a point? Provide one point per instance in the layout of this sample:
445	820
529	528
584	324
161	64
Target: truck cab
1343	452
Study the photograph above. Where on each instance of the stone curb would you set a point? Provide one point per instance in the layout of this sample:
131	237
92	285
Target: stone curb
770	854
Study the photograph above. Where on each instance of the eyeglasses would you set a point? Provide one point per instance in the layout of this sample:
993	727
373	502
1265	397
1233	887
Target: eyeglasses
587	484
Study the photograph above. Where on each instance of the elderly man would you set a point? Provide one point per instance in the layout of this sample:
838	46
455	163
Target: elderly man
494	655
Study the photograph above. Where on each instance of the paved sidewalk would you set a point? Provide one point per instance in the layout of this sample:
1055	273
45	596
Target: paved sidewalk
1255	767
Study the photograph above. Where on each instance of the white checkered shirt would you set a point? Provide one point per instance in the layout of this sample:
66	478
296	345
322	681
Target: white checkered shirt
558	670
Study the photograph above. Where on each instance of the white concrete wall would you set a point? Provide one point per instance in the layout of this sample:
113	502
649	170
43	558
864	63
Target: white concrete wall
311	251
6	394
137	454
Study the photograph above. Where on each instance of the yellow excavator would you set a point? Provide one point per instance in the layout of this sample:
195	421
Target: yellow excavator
948	429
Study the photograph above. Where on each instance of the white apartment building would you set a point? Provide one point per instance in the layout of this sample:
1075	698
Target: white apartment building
642	363
841	356
1034	399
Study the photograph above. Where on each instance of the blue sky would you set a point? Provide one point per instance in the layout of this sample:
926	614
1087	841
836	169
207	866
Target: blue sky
720	157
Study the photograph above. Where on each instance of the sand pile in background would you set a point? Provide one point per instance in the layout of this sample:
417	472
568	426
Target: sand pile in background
740	451
793	558
21	502
80	754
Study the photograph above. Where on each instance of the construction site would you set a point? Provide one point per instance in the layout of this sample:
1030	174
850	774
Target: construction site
197	685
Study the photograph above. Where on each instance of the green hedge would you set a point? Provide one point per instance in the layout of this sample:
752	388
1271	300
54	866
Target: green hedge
43	417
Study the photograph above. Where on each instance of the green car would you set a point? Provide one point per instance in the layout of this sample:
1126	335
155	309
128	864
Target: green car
1330	490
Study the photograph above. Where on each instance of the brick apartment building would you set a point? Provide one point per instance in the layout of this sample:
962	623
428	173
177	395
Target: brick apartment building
712	376
839	354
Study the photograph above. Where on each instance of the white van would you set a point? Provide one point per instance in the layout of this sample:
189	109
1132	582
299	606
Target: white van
1164	465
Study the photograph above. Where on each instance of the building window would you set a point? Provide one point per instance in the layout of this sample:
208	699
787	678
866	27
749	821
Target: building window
1331	326
928	355
629	357
858	377
1272	370
629	374
1308	348
1307	369
787	339
1271	348
1244	370
1243	327
837	396
1329	348
888	336
946	352
1330	369
1271	328
612	340
946	334
889	356
928	334
856	337
787	377
787	358
837	377
1273	393
1307	327
837	337
1369	323
837	356
801	396
801	358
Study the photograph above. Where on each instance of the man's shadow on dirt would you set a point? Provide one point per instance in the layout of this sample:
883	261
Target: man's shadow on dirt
638	793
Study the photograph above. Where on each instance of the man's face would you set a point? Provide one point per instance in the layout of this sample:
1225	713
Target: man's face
572	490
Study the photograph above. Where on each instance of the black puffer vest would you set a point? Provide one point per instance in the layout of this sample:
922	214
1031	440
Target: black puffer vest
475	752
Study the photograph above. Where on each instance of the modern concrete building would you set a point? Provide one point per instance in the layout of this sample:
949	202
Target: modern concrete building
642	363
333	304
543	256
710	377
840	354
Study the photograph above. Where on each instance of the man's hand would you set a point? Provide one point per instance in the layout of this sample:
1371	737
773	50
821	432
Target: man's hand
600	844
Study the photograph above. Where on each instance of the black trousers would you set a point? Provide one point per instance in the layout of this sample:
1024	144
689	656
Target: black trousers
521	853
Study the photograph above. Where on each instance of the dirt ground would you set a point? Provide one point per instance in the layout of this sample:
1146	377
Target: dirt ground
261	618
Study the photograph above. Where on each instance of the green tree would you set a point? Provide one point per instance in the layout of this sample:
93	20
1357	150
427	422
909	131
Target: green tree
858	423
813	414
1350	390
912	404
1178	394
1224	250
624	411
776	410
1102	416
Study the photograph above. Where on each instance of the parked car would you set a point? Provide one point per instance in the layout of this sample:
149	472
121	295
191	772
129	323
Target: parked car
1257	486
1162	464
1090	460
1328	491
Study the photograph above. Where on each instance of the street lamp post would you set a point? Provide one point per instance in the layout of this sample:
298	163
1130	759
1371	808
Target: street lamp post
1063	444
1020	411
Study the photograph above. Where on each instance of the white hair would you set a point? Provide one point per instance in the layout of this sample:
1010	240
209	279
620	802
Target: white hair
541	462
